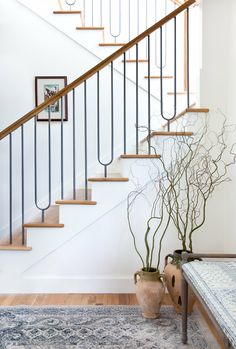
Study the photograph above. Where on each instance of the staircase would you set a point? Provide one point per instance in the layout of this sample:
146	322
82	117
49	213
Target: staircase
105	26
61	177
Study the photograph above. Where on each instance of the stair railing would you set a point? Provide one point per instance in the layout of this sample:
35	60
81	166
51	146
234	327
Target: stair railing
96	91
124	19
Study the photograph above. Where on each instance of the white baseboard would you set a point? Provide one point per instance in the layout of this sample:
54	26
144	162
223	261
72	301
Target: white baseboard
54	284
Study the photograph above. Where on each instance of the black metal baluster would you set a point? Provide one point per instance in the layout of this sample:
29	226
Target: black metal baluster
84	10
85	142
98	116
112	112
42	209
35	164
101	13
129	24
146	26
92	11
175	71
161	76
138	15
22	186
10	188
175	77
74	140
62	151
137	109
124	103
188	82
49	160
115	36
112	121
149	97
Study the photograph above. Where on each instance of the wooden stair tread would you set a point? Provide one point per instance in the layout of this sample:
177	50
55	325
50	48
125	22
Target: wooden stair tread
90	28
140	156
191	109
180	93
66	12
108	179
158	77
197	110
76	202
134	60
15	248
171	133
43	225
112	44
167	133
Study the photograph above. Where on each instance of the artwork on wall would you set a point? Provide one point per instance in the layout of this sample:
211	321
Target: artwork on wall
46	87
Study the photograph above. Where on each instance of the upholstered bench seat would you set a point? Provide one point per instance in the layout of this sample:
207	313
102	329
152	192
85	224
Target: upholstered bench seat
215	283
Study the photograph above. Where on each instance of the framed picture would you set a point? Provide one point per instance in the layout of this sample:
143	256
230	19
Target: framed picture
46	87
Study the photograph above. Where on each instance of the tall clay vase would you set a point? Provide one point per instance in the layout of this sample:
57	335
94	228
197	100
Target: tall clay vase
173	277
150	292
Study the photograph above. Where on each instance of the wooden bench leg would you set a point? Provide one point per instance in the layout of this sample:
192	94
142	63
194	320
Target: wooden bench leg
227	344
184	311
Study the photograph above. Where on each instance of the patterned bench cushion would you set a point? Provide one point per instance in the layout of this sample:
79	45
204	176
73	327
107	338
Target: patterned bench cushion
216	284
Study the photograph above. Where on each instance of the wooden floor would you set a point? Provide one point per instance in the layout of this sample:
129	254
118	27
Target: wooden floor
68	299
87	299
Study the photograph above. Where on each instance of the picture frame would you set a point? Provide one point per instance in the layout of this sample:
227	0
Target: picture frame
46	87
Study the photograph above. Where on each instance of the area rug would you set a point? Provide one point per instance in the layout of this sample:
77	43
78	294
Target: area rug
95	327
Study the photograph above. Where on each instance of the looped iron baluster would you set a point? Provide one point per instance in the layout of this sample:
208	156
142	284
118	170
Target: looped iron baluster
115	36
129	21
138	15
92	15
84	10
124	81
101	13
22	187
112	122
42	209
149	95
74	159
187	63
62	152
71	3
137	109
10	188
161	78
156	56
85	142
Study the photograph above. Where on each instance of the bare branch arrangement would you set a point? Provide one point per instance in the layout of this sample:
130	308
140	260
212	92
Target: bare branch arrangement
198	165
156	224
185	177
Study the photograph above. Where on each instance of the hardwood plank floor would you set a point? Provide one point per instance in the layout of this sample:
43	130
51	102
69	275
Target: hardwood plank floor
87	299
71	299
67	299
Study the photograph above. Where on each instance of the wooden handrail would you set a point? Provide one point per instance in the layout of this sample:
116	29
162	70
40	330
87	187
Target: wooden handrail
93	70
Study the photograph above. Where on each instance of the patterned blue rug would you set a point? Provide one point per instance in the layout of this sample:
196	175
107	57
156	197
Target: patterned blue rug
110	327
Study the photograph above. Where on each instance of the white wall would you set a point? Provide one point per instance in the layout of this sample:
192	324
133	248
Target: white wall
30	47
218	90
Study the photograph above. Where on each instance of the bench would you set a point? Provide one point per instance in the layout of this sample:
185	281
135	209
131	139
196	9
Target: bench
214	284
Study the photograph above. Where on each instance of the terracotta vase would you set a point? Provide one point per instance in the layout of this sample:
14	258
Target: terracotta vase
150	292
173	277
